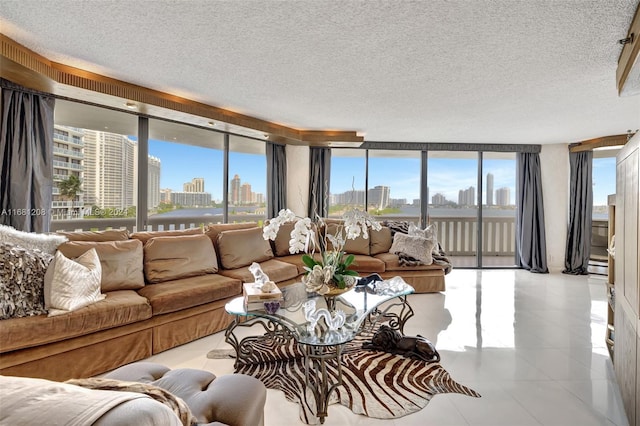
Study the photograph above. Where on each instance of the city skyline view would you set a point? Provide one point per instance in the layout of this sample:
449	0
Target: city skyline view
175	165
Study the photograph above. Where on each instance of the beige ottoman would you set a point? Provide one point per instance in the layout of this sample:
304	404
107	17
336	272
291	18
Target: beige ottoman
233	399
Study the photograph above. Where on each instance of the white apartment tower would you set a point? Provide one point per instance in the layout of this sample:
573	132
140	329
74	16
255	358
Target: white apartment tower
153	182
67	160
489	189
110	169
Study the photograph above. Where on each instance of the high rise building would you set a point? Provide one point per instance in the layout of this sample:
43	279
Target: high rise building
489	189
378	197
234	191
110	169
467	197
438	200
245	194
196	185
153	182
191	199
165	195
67	161
503	196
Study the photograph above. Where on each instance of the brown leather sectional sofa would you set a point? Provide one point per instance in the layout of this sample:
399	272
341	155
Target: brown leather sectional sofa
167	288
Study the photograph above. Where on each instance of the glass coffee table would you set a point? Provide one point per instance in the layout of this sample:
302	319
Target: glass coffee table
295	320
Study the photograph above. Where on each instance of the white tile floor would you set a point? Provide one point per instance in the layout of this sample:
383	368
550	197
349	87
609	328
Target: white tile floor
531	344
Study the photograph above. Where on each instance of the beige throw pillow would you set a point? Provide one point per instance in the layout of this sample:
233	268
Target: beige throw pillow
121	262
74	283
418	248
171	258
242	247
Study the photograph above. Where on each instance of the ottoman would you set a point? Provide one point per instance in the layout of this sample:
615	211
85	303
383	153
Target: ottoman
233	399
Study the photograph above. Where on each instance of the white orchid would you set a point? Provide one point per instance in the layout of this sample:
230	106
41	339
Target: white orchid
333	268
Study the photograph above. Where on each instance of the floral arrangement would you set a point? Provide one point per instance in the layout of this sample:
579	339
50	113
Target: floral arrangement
331	271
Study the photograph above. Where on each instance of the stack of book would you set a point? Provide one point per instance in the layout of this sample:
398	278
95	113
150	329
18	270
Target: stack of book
254	298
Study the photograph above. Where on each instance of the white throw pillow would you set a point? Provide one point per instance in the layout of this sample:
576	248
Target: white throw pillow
418	248
74	284
430	233
31	240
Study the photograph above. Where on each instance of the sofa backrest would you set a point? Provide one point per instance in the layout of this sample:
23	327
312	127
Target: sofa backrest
145	236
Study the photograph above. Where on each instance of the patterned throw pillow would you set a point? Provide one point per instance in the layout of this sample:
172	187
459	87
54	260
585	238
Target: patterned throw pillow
418	248
22	281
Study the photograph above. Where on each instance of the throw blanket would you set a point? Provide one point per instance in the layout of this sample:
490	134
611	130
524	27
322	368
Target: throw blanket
438	254
161	395
44	402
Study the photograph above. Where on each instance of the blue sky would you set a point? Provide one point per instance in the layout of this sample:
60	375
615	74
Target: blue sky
181	163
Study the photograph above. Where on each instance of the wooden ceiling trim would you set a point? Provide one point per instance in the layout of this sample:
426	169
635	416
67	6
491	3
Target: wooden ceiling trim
629	60
591	144
19	64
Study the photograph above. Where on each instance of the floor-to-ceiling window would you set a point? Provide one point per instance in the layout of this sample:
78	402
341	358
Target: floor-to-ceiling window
498	208
247	179
347	185
393	189
603	179
469	196
452	179
185	175
94	167
97	181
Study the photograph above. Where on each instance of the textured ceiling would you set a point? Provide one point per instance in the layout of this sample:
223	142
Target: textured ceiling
501	71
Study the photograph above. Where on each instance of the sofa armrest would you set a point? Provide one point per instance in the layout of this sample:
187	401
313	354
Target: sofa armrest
237	400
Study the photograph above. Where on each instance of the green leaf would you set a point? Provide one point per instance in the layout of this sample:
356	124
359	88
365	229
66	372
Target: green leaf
349	260
308	261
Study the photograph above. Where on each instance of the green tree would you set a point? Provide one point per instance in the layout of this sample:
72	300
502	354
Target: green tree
69	190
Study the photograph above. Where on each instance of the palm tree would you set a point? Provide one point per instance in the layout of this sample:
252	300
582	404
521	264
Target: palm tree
69	189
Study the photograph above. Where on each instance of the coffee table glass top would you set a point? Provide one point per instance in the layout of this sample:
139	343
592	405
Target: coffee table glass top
356	304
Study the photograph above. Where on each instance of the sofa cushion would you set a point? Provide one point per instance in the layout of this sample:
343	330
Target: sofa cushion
145	236
276	270
296	260
419	248
171	296
242	247
215	229
106	235
22	281
358	245
380	241
171	258
118	308
392	263
121	262
366	264
281	243
31	240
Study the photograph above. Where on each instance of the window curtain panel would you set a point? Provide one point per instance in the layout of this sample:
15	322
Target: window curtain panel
26	155
320	171
276	179
576	258
531	248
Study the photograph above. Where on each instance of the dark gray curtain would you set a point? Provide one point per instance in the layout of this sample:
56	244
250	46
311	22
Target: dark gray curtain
576	257
276	179
26	155
319	170
531	246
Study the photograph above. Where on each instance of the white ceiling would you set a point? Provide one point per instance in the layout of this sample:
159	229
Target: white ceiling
499	71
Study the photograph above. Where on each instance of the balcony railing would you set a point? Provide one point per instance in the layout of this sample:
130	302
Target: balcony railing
66	165
457	235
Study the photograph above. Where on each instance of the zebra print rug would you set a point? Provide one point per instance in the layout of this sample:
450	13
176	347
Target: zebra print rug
375	384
